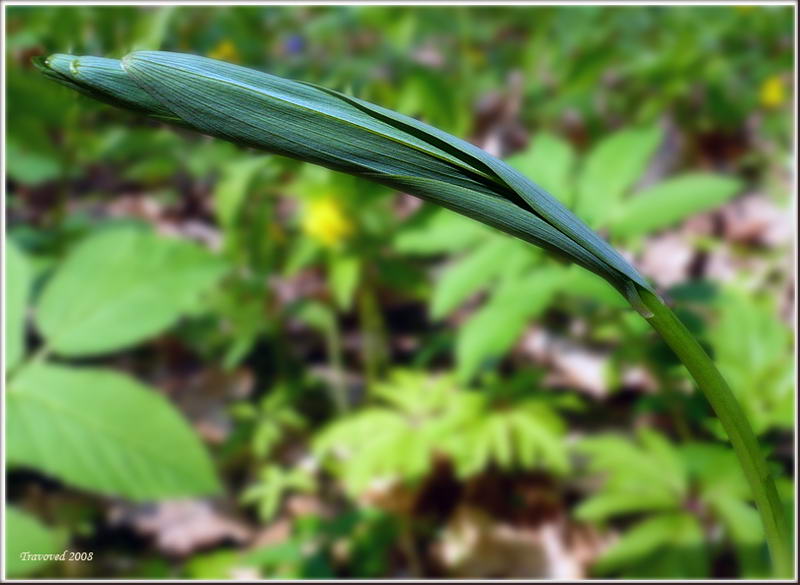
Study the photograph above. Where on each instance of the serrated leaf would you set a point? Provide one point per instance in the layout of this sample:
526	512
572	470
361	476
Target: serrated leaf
26	534
120	286
671	201
17	288
611	169
103	432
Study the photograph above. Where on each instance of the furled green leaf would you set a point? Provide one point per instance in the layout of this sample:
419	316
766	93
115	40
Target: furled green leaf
104	432
17	287
333	130
25	534
611	169
119	287
671	201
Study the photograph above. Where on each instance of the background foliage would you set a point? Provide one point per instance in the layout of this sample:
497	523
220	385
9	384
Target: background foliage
226	364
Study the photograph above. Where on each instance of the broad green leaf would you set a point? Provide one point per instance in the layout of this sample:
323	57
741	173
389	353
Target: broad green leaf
25	534
103	432
120	286
17	287
549	161
672	201
491	331
469	274
611	169
231	190
679	529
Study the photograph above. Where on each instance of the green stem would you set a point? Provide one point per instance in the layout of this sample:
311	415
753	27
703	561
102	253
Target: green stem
735	423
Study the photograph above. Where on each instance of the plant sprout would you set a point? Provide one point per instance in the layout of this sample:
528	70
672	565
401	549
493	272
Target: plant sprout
324	127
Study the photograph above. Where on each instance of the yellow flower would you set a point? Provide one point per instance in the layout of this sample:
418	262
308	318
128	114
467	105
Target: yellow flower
224	51
324	220
773	92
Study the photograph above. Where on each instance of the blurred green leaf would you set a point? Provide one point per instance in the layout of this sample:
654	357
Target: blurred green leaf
232	188
104	432
30	166
438	231
469	274
753	350
675	530
611	169
17	281
549	161
671	201
24	533
151	27
491	331
343	276
120	286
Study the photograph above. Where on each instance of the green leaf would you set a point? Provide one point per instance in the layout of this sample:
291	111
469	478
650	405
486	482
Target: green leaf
438	231
754	351
30	166
25	534
331	129
231	190
343	276
151	27
605	505
491	331
611	169
549	161
672	201
469	274
104	432
679	529
17	288
120	286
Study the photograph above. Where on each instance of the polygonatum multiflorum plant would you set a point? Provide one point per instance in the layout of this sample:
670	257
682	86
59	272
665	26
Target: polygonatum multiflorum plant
325	127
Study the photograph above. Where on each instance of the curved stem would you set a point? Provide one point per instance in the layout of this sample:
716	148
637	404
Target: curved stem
735	423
